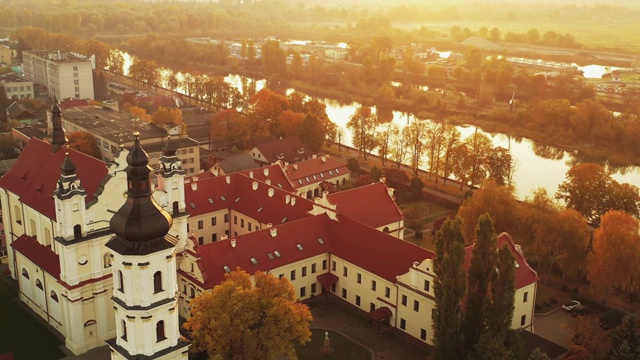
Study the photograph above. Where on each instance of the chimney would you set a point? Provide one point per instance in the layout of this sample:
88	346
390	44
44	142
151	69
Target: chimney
287	199
223	237
228	178
268	182
194	186
233	243
314	156
293	200
323	158
271	192
295	166
265	171
195	178
251	174
254	185
269	225
273	231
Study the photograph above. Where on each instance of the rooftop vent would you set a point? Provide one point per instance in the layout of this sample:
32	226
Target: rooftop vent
299	247
233	243
287	198
293	200
273	231
265	171
254	185
251	174
194	186
271	192
254	261
268	181
228	179
277	253
323	158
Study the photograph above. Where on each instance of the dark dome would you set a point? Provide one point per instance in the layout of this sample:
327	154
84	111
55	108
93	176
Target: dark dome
67	167
137	156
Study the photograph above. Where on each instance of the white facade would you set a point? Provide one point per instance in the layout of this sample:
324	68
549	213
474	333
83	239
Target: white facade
65	74
16	87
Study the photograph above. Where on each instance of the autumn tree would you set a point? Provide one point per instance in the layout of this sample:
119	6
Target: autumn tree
266	106
625	339
479	145
616	253
289	123
586	336
500	165
449	288
245	318
384	138
363	128
140	113
165	115
8	146
85	143
538	354
414	134
450	139
434	142
311	132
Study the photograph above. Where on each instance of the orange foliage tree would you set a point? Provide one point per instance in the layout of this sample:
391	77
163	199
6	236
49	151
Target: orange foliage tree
245	319
85	143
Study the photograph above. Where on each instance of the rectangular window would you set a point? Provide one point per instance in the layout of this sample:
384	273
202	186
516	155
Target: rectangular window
333	288
358	300
214	237
226	218
372	306
523	320
416	305
200	224
324	264
313	268
214	221
201	240
344	293
525	297
344	271
403	324
333	266
280	276
304	271
249	226
359	278
404	300
293	275
373	285
242	223
423	334
303	292
427	285
313	288
387	292
235	219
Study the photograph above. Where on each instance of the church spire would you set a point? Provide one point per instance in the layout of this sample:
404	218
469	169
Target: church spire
58	139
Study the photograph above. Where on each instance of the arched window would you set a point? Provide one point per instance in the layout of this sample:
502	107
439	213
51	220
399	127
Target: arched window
47	237
54	296
18	213
32	226
77	231
25	273
39	284
160	331
106	259
157	282
386	229
124	330
120	281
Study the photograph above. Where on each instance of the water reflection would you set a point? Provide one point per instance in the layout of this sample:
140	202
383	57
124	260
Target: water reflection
548	152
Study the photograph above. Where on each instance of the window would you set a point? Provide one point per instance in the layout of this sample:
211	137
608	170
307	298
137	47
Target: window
249	226
404	300
333	288
523	320
525	297
293	275
344	271
304	271
200	224
242	223
423	334
358	300
160	331
214	221
106	260
25	273
226	218
333	266
280	276
303	292
39	284
372	306
387	292
344	293
373	285
54	296
192	292
157	282
200	240
313	268
416	305
235	219
324	264
313	288
214	237
124	330
120	282
427	285
403	324
359	278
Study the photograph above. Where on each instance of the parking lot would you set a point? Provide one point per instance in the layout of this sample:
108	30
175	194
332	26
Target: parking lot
555	327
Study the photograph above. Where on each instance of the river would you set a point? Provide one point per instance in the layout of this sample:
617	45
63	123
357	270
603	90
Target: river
537	165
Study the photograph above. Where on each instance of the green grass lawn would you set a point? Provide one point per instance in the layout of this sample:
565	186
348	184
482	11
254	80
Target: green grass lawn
21	334
343	348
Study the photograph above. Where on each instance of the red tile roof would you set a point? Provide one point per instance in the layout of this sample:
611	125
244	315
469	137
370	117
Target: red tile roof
358	203
34	175
380	253
284	149
315	170
274	173
42	256
69	103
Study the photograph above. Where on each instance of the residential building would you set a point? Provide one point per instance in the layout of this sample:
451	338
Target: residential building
113	128
336	53
64	74
320	173
16	112
16	87
288	150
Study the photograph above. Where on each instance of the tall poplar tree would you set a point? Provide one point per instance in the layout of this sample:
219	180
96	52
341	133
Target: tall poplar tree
449	288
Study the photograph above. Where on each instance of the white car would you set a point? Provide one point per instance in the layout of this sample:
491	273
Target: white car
570	305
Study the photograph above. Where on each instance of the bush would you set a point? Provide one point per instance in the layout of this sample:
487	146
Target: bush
353	165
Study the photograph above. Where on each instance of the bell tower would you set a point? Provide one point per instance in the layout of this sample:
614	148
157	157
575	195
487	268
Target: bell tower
144	272
171	182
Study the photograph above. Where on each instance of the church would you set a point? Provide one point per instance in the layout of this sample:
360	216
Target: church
114	252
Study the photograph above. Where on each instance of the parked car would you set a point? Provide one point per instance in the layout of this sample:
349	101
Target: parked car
581	311
570	305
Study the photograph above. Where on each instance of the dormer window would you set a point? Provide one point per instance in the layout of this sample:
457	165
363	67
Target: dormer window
277	253
254	261
226	269
299	247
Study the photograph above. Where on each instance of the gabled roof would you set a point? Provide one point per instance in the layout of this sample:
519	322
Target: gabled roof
315	170
214	193
358	203
34	176
70	103
42	256
17	112
273	174
370	249
238	162
290	150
